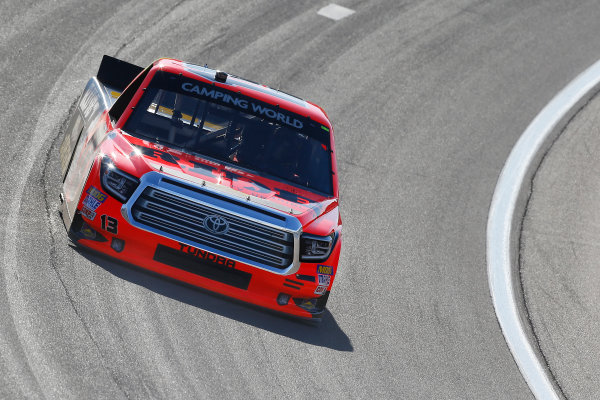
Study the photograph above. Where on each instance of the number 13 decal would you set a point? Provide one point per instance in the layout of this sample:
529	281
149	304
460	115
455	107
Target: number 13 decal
109	224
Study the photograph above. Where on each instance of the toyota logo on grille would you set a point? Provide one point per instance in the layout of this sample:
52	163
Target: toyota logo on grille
216	224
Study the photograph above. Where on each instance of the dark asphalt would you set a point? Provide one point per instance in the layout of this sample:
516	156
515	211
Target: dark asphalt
427	99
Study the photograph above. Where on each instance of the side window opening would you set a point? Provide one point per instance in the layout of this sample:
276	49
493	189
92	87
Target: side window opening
125	98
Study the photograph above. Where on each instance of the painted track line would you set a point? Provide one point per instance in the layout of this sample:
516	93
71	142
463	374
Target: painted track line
504	228
335	12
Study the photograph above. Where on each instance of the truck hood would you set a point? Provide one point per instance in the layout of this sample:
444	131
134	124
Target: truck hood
230	180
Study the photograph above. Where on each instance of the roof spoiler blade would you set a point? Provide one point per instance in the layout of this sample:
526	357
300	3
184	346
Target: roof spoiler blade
117	73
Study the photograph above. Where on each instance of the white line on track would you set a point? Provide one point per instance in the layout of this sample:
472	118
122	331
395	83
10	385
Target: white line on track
504	227
335	12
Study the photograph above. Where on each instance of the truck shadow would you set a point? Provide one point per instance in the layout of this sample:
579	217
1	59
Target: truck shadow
325	334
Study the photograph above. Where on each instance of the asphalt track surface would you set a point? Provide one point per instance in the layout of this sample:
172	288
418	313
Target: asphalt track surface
427	99
560	253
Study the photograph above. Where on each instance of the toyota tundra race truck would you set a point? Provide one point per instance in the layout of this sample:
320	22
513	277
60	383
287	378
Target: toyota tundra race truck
206	178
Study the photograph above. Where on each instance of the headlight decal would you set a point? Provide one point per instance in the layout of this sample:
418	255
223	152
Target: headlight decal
117	183
315	248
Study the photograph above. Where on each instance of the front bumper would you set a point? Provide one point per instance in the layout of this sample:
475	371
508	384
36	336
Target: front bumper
109	229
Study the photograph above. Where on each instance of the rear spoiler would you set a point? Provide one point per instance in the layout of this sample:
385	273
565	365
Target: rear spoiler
117	73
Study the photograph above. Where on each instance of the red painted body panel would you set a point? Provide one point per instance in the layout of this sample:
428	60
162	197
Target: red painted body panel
318	214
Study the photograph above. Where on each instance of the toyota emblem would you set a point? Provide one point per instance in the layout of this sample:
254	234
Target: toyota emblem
216	224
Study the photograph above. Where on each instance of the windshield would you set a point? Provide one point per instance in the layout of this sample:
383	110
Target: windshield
234	128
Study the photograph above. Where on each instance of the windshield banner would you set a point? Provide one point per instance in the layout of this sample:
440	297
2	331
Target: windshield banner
243	103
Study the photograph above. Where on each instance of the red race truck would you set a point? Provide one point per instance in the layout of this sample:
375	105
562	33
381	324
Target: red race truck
206	178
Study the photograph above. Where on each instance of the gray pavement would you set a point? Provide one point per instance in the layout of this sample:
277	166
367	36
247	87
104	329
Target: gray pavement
427	99
560	255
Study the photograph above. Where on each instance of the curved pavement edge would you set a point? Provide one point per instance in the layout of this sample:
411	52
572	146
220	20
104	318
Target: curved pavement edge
505	218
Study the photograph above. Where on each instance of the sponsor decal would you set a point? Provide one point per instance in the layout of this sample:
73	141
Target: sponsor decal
89	214
93	199
320	289
308	304
88	232
324	269
324	279
117	244
95	193
205	255
91	203
215	94
89	103
242	103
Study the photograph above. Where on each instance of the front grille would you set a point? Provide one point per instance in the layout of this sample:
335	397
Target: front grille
183	219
